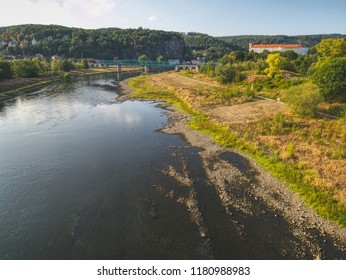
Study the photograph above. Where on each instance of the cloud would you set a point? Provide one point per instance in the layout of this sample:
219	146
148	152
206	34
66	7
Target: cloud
60	2
152	18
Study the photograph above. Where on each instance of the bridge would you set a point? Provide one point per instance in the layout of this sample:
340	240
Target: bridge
133	62
146	64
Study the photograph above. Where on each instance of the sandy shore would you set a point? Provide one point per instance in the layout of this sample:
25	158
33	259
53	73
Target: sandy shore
261	211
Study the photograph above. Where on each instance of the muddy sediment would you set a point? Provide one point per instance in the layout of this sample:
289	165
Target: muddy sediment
240	210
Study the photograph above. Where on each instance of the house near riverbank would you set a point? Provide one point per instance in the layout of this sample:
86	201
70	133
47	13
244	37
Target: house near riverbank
297	48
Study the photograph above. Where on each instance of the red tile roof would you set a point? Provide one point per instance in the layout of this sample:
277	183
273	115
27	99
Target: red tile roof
269	46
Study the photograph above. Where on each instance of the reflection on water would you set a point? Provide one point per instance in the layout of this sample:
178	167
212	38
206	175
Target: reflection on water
76	177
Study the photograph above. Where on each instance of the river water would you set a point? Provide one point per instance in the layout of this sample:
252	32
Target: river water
79	175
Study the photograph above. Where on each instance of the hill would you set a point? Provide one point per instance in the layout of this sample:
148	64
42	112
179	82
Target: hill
108	43
105	43
198	44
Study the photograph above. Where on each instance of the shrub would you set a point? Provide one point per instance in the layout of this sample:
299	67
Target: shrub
331	78
25	68
303	99
226	73
5	70
249	93
230	93
67	65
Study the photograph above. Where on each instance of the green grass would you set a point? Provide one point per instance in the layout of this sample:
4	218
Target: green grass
293	174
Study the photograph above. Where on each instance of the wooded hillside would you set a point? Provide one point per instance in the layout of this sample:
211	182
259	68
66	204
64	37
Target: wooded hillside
105	43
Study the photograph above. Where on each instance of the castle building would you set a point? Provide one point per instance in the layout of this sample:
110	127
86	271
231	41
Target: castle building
297	48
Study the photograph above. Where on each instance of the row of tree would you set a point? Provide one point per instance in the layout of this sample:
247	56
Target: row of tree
33	67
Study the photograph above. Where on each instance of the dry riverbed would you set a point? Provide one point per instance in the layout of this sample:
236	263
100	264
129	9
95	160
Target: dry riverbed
241	211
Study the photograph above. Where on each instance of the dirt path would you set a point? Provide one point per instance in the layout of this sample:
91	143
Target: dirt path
242	211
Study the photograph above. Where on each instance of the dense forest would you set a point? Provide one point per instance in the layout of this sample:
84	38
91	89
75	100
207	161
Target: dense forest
106	43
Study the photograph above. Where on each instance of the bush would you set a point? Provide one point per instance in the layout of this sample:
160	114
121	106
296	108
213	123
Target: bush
62	65
331	78
66	65
303	99
226	73
41	64
5	70
85	64
25	68
143	57
208	69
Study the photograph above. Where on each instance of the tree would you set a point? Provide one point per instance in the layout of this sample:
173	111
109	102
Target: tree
161	58
226	73
208	69
55	65
330	48
84	64
5	70
290	55
25	68
66	65
41	64
143	57
303	99
275	62
331	78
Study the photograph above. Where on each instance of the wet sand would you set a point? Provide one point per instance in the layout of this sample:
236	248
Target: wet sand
240	210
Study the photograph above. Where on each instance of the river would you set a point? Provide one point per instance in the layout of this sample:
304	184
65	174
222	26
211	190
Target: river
77	172
83	176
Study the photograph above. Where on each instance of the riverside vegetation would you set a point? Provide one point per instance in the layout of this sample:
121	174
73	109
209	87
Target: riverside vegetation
25	75
301	142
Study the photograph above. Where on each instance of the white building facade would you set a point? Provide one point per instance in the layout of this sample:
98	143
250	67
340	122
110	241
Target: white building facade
297	48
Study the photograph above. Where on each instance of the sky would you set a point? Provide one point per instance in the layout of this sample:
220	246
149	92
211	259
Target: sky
213	17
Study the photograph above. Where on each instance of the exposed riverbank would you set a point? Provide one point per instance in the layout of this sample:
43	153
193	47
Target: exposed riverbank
260	212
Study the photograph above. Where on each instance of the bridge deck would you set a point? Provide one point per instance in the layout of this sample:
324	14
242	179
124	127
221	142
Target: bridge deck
132	62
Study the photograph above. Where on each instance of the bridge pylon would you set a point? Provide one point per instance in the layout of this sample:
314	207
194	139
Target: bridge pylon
119	69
